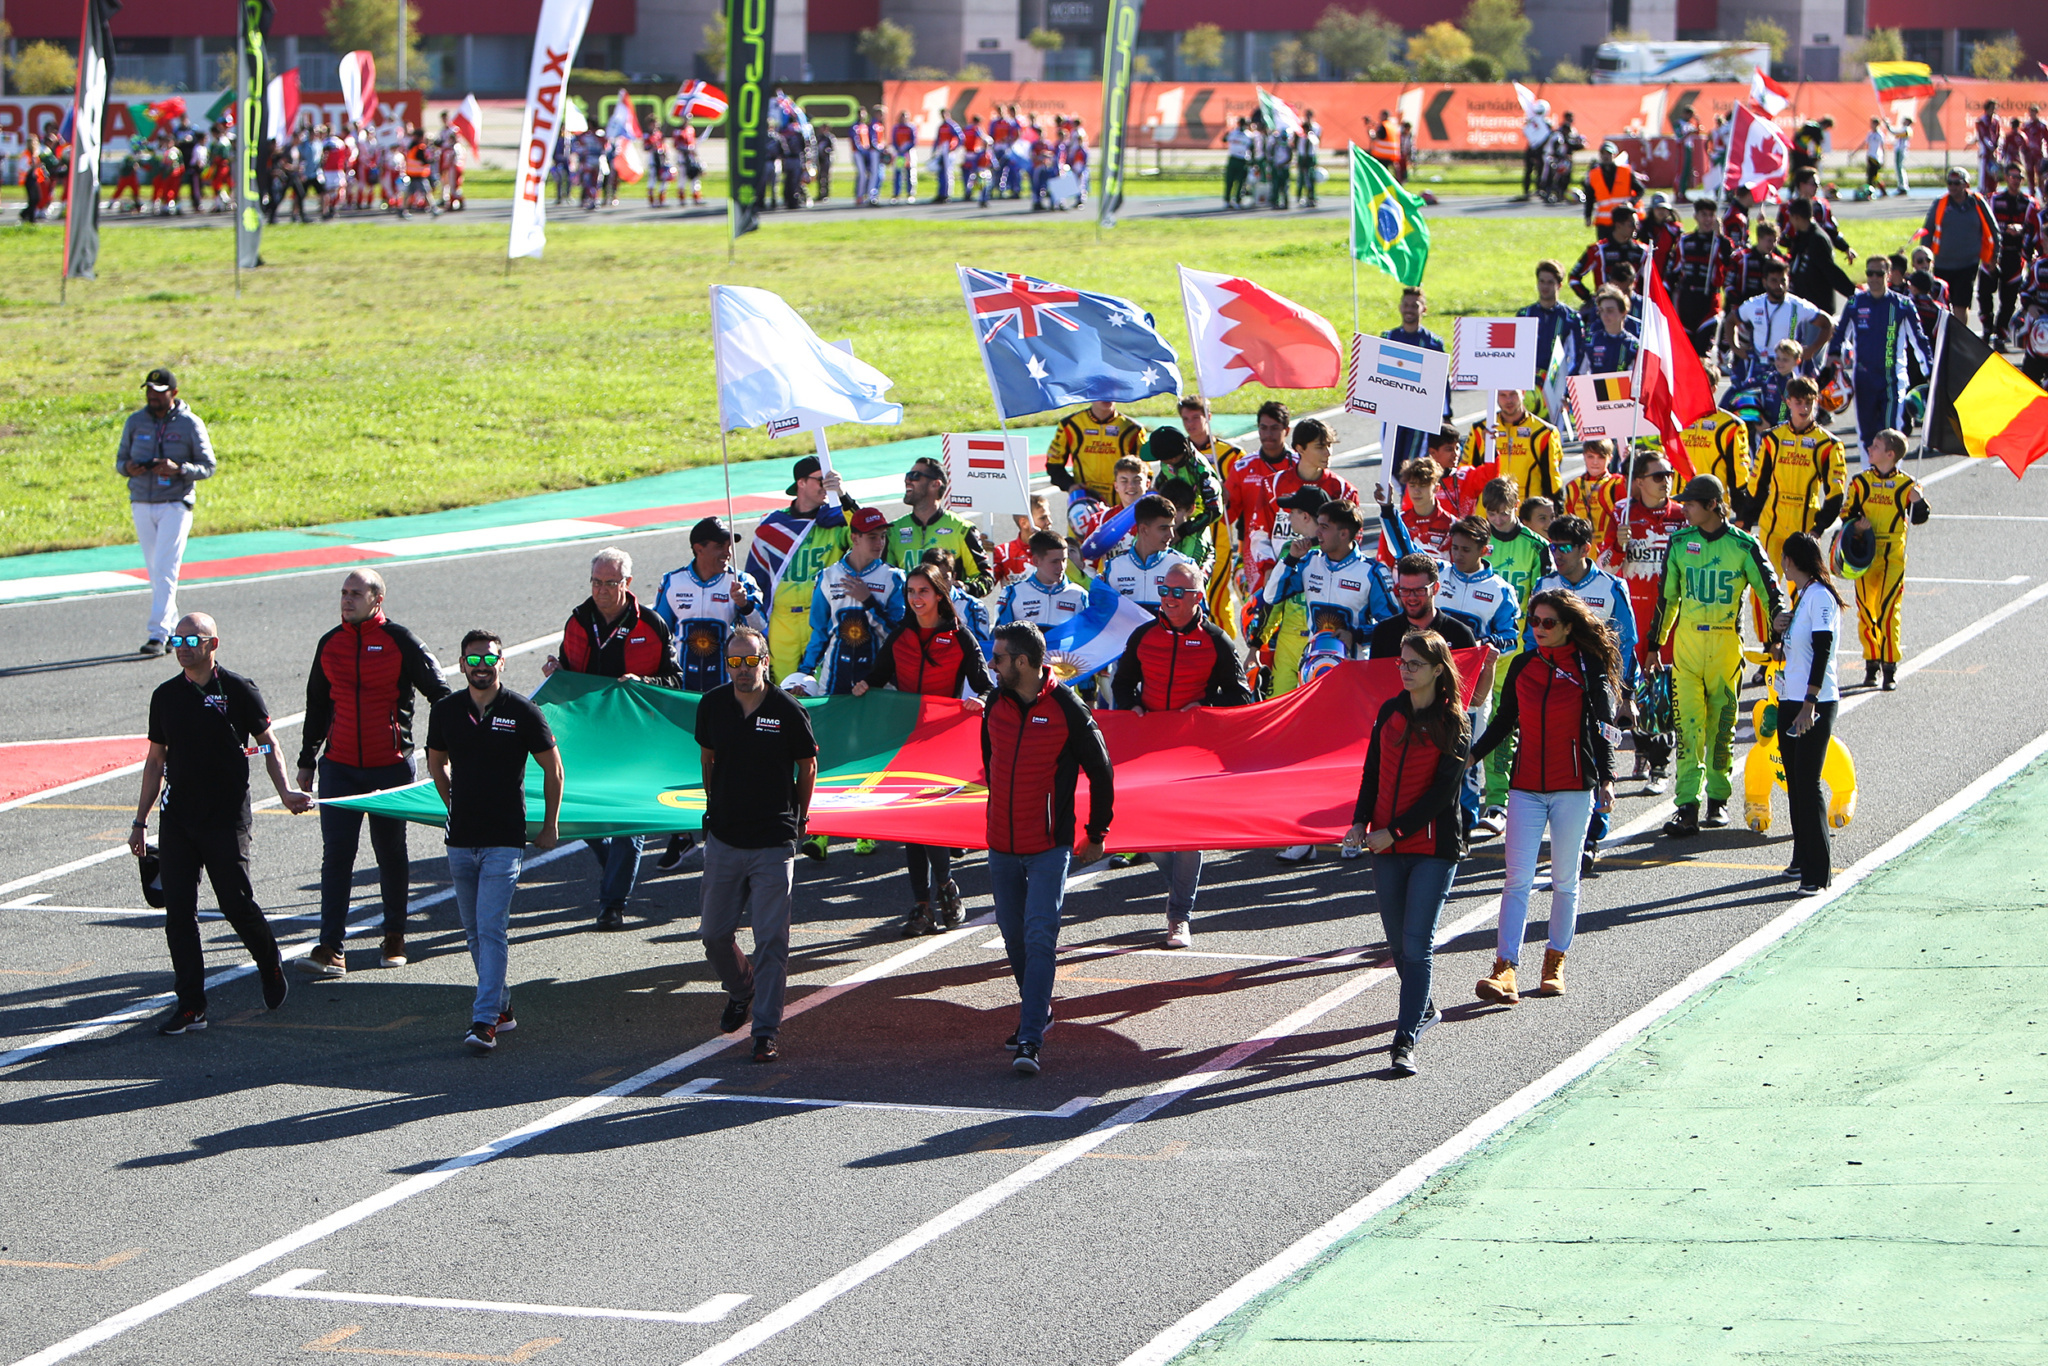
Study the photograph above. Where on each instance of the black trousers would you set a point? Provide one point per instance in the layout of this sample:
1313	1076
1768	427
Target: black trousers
1532	169
931	867
222	851
1803	756
341	834
1960	283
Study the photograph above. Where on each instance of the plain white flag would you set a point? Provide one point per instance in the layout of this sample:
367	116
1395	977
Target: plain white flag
775	372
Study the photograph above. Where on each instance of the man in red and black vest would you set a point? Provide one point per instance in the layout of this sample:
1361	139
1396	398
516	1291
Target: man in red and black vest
1036	740
359	704
1177	662
612	636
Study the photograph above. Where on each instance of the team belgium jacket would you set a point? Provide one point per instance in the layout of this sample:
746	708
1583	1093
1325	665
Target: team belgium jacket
359	694
1033	754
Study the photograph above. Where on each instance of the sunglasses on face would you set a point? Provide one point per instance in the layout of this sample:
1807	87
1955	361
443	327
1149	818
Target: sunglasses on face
189	642
1661	476
743	661
1178	593
919	474
481	661
1545	623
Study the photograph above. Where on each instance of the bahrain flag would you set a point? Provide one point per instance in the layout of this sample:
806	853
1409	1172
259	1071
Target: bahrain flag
1244	332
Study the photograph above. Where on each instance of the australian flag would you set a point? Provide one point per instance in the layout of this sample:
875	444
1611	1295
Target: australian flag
1047	346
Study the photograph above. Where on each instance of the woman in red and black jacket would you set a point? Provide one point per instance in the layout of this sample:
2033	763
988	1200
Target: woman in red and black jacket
1408	817
930	653
1559	697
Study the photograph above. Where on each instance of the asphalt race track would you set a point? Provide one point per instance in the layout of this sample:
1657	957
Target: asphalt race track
619	1184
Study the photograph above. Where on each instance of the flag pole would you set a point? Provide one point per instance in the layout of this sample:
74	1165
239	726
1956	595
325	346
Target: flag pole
1351	235
1194	344
995	396
717	373
1934	384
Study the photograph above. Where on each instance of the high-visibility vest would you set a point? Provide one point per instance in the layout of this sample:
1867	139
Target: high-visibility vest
1385	145
1611	188
1987	235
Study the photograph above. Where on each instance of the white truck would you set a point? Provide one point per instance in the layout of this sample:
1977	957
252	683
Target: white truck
1656	63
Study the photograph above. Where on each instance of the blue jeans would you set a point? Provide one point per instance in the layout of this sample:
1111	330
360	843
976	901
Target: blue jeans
1028	890
618	860
1183	869
484	881
1566	814
1411	889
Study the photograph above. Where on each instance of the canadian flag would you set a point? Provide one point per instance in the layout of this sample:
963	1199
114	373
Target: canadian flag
1773	97
359	86
1670	382
1244	332
1758	154
469	121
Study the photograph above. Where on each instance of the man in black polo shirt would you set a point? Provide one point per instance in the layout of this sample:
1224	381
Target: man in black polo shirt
203	725
760	762
488	732
1415	584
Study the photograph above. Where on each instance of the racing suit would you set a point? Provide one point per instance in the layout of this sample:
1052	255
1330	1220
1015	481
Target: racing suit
1796	486
1593	499
847	636
1879	333
2019	238
910	538
1040	604
1085	452
1880	593
1705	574
1347	597
1527	452
1718	444
1701	269
1640	562
1248	502
1485	602
790	550
1137	578
1558	335
700	614
1521	560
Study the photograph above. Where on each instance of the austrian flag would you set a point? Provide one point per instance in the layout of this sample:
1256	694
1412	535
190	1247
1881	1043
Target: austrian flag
1244	332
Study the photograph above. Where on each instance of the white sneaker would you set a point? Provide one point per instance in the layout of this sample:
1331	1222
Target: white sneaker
1297	853
1658	782
1179	935
1491	822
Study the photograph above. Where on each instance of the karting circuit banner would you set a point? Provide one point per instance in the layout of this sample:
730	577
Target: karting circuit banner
1119	55
252	86
899	766
751	26
82	200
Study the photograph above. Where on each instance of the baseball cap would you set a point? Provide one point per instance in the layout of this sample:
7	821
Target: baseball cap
161	380
1704	489
709	529
1308	499
805	468
869	519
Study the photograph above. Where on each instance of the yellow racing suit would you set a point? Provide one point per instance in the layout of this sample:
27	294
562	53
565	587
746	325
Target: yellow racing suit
1085	452
1718	444
1528	451
1880	593
1796	486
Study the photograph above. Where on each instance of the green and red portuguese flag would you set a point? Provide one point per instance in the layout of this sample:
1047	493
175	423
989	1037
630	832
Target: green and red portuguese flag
897	766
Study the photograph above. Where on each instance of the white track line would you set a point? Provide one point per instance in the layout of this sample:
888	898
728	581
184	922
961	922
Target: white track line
153	1004
117	1324
288	1287
1067	1111
1970	463
1177	1338
1216	1071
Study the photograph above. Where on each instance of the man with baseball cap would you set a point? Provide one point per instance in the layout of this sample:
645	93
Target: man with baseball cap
791	548
164	451
1706	568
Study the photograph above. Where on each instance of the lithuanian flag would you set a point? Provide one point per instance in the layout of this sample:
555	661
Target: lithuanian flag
1981	405
1900	80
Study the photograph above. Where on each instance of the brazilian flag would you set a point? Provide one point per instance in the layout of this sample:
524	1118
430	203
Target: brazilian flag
1387	227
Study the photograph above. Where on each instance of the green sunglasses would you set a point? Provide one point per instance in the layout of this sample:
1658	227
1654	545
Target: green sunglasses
480	661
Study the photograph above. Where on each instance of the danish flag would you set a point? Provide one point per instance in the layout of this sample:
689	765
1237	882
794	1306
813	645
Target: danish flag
999	299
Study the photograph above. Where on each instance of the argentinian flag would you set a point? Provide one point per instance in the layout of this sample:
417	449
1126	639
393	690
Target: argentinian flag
1093	637
775	372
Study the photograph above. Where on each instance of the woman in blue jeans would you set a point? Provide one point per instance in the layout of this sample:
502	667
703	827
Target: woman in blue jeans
1559	697
1408	817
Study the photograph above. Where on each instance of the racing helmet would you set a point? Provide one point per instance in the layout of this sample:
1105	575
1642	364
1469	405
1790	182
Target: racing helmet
2037	338
1837	395
1854	551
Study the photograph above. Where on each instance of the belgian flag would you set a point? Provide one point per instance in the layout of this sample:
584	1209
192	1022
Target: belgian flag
1980	404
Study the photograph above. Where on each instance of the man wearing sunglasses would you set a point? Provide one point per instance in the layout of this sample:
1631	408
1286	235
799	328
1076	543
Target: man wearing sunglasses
760	763
203	725
164	451
1179	662
478	742
928	526
612	635
359	706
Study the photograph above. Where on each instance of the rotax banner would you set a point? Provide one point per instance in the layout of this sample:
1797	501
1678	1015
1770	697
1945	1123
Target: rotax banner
898	766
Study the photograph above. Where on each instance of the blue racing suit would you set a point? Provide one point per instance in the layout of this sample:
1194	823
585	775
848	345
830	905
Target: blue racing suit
1879	334
1603	353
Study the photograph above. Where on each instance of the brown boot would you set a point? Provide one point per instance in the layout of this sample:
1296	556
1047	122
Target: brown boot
1553	973
1501	986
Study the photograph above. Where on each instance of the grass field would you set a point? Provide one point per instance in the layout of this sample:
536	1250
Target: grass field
368	371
